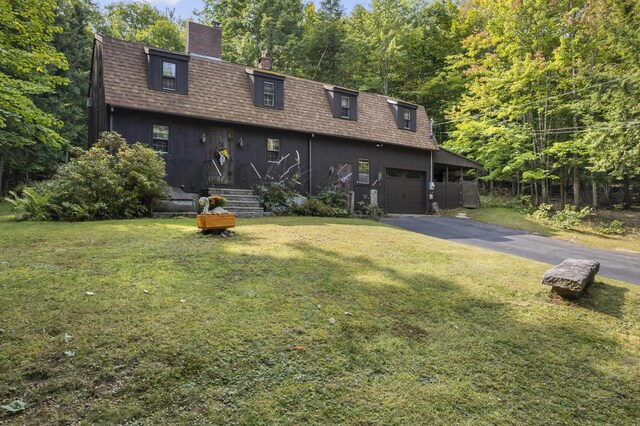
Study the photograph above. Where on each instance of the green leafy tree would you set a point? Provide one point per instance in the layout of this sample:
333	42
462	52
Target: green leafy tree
252	27
28	65
143	23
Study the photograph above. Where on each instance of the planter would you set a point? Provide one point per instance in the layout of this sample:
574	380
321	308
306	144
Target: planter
216	221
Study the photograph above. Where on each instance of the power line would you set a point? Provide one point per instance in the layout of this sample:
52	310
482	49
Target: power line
539	100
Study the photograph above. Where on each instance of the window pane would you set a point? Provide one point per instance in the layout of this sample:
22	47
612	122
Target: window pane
269	94
168	69
273	149
168	83
407	114
363	171
345	102
161	132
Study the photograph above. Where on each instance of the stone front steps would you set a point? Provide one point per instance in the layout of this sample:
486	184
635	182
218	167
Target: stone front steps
242	202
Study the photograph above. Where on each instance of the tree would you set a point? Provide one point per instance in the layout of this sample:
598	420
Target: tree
75	41
27	70
143	23
324	33
253	27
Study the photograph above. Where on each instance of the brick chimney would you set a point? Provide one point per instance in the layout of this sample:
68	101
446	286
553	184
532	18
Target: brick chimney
204	40
264	63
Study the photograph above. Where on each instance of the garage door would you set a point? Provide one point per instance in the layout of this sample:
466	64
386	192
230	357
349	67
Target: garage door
405	191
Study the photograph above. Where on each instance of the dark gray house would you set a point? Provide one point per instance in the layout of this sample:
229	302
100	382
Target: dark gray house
193	108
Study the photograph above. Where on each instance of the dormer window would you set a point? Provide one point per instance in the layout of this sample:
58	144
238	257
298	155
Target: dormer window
343	102
167	71
405	114
406	118
168	76
267	88
269	91
346	107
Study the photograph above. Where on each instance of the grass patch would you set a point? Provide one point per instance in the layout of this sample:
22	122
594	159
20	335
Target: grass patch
438	332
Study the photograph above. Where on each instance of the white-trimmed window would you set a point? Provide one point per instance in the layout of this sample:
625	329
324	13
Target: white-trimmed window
345	104
363	171
160	141
269	90
168	76
406	116
273	150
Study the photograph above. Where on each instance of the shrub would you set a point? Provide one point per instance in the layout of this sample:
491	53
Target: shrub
334	196
566	218
522	202
570	216
614	227
276	197
314	206
29	205
111	180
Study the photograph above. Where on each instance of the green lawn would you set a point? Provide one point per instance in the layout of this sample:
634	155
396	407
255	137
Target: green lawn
586	234
438	333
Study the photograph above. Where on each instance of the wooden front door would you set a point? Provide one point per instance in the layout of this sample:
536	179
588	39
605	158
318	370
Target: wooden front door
218	171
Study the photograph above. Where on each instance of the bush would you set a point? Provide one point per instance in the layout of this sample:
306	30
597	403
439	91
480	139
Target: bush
334	196
522	202
29	205
615	227
569	217
314	206
276	197
112	180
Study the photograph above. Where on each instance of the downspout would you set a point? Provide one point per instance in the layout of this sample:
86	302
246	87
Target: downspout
310	171
111	119
430	192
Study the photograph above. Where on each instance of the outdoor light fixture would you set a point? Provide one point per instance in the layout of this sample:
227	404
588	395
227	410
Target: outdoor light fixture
240	143
203	138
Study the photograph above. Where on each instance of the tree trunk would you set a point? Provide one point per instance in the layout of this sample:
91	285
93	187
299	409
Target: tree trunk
594	192
576	187
563	195
544	190
534	185
1	172
627	195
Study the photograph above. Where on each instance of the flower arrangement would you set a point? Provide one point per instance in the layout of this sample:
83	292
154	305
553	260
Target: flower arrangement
223	155
217	201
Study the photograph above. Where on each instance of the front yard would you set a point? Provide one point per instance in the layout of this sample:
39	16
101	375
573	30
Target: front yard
238	330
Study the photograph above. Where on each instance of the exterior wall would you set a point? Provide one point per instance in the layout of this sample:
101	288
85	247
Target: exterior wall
329	151
188	157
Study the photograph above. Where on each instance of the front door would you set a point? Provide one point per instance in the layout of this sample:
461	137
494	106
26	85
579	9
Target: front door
220	158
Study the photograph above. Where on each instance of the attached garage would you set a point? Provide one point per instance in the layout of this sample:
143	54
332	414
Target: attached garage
406	191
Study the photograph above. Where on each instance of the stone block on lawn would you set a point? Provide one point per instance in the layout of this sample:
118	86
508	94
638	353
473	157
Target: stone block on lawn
571	277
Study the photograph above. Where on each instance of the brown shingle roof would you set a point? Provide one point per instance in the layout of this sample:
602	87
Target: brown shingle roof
221	91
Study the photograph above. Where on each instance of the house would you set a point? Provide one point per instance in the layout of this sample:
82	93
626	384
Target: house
194	109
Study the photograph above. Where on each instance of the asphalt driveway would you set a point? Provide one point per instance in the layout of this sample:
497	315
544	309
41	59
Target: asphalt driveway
616	265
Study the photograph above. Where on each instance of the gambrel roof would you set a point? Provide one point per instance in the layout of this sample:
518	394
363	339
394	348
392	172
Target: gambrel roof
221	91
